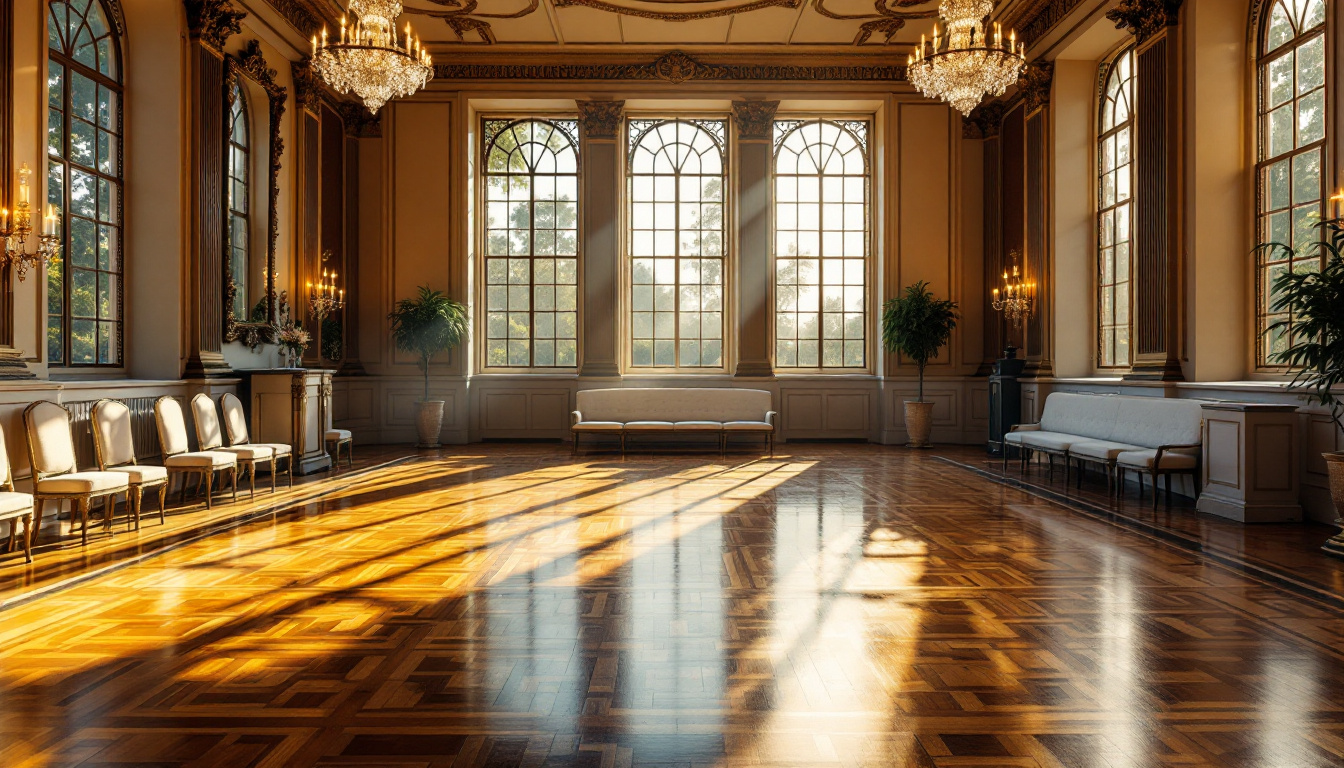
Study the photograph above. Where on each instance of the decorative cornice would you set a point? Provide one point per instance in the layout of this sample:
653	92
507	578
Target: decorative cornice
299	15
600	119
984	121
213	21
755	119
672	67
1145	18
742	6
359	122
887	20
1035	84
307	85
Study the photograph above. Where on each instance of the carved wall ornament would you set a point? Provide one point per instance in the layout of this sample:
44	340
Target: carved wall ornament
213	21
755	119
672	67
886	21
1145	18
1035	84
741	6
984	121
300	15
307	85
359	123
251	63
600	119
462	17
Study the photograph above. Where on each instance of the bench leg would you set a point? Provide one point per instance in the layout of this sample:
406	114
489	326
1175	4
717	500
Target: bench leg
574	446
1155	489
622	444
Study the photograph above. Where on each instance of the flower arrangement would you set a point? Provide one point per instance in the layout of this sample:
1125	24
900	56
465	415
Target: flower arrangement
293	339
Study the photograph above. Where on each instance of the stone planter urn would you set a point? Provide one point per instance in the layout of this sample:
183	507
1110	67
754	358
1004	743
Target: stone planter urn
428	423
1334	462
918	423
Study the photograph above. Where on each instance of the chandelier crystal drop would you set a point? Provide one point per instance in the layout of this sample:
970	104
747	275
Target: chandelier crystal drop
966	65
371	60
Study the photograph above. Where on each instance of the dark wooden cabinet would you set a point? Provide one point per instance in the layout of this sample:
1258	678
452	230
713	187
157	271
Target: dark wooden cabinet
1005	401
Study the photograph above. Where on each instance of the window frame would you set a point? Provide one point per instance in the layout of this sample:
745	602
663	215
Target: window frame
238	95
728	341
479	154
1101	136
872	258
116	86
1261	59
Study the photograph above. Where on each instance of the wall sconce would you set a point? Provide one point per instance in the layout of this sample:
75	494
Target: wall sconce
15	231
324	298
1018	295
1337	205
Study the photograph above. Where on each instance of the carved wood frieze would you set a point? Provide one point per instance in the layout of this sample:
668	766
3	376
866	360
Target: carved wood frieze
600	119
307	85
251	63
983	122
673	67
213	21
755	119
300	15
358	122
1145	18
1035	84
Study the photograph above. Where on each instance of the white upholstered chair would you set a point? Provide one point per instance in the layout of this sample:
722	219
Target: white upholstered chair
178	457
15	507
235	429
335	438
115	447
56	475
209	437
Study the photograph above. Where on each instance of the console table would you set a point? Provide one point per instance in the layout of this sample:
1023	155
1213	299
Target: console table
293	406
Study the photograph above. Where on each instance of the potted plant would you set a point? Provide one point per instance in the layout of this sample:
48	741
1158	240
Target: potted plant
426	325
1315	340
918	324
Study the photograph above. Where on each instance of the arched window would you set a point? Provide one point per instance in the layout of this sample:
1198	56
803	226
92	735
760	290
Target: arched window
821	244
238	198
84	178
532	243
1291	131
1115	212
676	180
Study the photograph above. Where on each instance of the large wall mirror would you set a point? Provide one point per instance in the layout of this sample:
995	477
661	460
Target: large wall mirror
253	106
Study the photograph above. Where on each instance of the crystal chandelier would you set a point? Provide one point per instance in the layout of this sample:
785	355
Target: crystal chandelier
968	65
1016	300
370	59
14	235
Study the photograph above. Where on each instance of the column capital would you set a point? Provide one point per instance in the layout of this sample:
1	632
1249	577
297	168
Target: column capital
307	85
755	120
1035	84
983	122
213	21
1145	18
600	119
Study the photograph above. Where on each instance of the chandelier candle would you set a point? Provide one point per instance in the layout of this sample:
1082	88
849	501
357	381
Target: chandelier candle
369	60
14	234
967	67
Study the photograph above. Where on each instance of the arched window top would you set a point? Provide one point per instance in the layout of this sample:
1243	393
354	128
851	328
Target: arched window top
80	30
1289	19
238	133
530	146
1117	102
676	147
820	147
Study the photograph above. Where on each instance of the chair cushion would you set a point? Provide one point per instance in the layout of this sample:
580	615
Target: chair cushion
337	434
201	459
748	426
598	426
1144	459
1101	450
280	449
139	474
253	452
14	504
697	426
1050	441
648	426
83	482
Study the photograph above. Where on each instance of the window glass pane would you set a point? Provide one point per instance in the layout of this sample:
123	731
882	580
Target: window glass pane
1115	185
531	216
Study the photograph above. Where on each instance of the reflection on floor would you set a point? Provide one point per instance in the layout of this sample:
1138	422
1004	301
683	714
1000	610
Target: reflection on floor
509	606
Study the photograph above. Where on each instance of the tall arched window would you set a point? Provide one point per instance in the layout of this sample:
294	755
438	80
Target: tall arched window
676	179
532	243
84	178
1291	130
238	198
1115	220
821	244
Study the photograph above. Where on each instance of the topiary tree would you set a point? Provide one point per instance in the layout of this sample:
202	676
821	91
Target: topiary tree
918	324
428	324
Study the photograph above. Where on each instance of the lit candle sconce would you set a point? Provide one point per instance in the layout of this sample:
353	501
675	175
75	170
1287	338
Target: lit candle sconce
16	226
1018	296
1337	205
325	298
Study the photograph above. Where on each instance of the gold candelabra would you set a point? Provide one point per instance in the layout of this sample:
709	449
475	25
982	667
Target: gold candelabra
1017	297
15	229
325	298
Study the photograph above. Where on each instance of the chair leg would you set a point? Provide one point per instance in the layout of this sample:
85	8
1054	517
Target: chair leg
39	506
1154	489
28	537
82	505
252	480
137	493
209	497
163	498
622	444
574	446
234	476
289	469
350	454
275	470
1140	474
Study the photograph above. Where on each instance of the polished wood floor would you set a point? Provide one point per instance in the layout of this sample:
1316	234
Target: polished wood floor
836	606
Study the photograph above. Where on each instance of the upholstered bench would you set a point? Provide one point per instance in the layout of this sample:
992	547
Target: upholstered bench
720	411
1153	436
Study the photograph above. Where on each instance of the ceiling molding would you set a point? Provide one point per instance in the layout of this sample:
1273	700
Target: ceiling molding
673	67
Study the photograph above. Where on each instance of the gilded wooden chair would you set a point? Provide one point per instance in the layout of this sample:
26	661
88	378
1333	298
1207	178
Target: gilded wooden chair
178	457
335	438
210	438
56	475
16	507
235	429
115	447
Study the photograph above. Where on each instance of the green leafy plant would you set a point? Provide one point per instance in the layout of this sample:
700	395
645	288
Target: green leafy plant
918	324
1315	333
428	324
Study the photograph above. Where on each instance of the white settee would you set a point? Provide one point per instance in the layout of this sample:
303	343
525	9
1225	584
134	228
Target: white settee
1150	435
720	411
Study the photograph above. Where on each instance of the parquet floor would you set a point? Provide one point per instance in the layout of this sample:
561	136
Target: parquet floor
836	606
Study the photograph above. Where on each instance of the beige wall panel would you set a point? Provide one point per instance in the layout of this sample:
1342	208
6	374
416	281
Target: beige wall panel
29	146
1074	248
971	328
925	216
372	293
